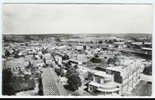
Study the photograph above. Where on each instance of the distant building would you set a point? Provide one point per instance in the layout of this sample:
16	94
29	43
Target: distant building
137	43
120	45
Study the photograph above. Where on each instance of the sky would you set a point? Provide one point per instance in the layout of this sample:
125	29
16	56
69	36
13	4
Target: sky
76	18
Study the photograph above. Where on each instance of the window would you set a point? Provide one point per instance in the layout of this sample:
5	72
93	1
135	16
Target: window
117	92
97	79
109	72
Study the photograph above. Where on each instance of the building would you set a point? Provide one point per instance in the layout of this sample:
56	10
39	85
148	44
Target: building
120	45
116	80
103	82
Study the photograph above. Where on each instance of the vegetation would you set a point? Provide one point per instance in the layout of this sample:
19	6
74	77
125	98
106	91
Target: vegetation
40	92
113	60
7	53
6	79
96	59
65	57
13	84
74	81
60	71
100	42
148	70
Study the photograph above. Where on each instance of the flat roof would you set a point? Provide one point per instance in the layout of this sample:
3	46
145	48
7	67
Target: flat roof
99	73
107	85
116	68
147	48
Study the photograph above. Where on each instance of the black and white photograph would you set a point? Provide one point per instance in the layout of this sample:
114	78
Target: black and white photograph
77	50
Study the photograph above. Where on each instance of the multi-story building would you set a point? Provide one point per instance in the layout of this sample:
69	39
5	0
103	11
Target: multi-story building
116	80
103	82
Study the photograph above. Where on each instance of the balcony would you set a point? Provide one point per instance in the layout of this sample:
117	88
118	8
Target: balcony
106	87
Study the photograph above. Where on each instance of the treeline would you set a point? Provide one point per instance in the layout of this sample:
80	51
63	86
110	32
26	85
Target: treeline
26	38
137	37
21	38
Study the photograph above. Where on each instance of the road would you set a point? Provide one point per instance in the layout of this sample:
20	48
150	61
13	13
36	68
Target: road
51	83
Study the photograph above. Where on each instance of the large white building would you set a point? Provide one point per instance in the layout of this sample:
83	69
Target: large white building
116	80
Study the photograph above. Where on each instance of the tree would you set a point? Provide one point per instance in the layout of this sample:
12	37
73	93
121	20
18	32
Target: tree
100	42
7	53
40	92
74	82
96	59
110	42
65	57
71	71
57	39
30	65
148	70
7	77
111	61
67	65
16	54
91	42
59	71
44	50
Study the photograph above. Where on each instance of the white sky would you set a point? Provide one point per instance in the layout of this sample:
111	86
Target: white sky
77	18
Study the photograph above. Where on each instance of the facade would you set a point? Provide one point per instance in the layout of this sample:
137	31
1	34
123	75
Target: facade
116	80
104	83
